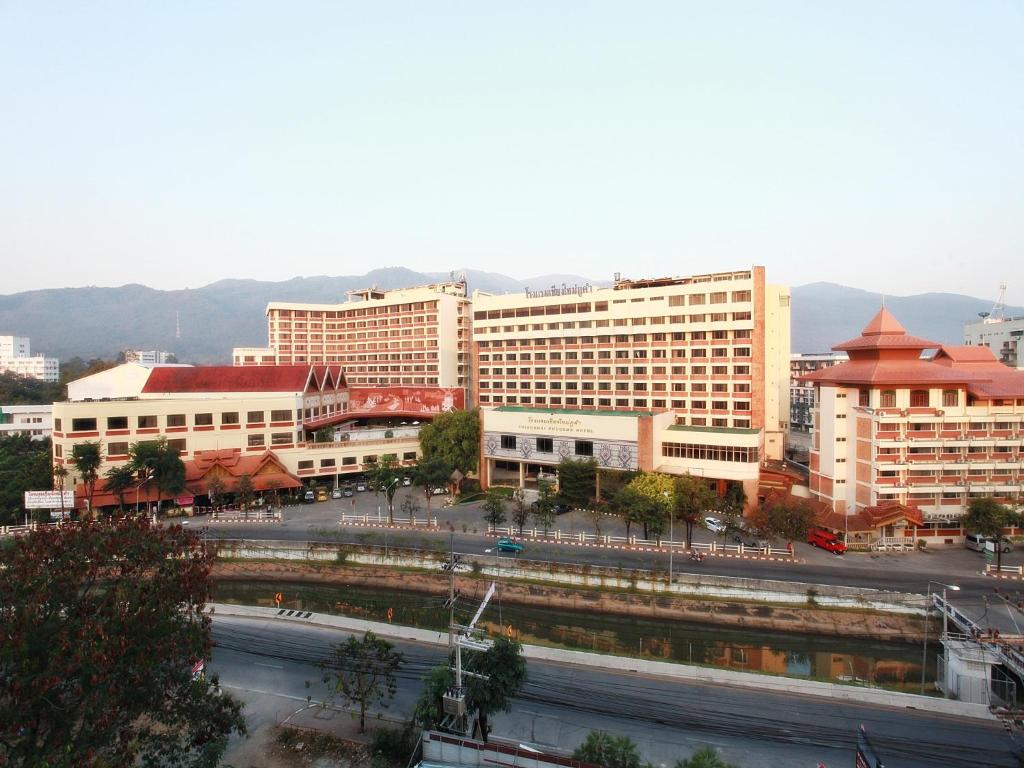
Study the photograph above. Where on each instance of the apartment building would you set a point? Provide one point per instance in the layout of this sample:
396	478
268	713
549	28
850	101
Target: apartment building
218	411
16	357
895	428
801	400
1003	335
148	356
408	337
36	421
678	375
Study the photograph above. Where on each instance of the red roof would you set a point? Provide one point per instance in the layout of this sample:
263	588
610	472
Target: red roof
957	355
869	518
228	378
884	332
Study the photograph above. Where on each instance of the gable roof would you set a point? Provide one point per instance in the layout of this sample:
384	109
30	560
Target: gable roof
228	378
885	332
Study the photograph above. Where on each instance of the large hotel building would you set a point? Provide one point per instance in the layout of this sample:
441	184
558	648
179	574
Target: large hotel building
678	375
408	337
894	426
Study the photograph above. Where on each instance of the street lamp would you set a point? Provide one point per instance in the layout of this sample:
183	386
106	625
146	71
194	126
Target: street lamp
389	499
945	625
146	479
671	537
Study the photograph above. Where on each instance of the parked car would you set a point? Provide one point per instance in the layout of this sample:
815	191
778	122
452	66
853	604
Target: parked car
561	509
348	491
439	491
747	539
979	543
360	485
506	544
336	493
321	494
714	524
406	480
309	497
819	537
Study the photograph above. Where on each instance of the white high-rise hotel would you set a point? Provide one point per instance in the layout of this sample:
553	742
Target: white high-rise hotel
16	357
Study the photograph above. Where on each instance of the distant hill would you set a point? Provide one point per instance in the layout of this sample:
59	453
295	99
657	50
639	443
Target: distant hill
825	314
99	322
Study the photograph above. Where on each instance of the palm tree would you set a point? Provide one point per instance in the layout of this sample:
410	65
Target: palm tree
60	473
88	458
118	480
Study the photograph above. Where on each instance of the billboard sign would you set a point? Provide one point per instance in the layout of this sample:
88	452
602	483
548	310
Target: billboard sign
404	401
49	499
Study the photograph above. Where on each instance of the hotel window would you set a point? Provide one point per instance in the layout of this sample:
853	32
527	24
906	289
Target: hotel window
719	297
742	352
117	422
723	405
508	442
280	438
326	463
678	403
950	398
178	445
305	464
229	417
545	445
281	415
919	398
254	417
888	398
699	404
640	403
257	441
348	461
719	422
604	402
864	398
117	449
147	422
621	402
203	419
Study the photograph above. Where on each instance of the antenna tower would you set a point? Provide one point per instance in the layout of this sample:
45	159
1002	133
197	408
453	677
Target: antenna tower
177	325
999	308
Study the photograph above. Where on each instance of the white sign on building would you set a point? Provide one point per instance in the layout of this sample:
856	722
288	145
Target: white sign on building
49	499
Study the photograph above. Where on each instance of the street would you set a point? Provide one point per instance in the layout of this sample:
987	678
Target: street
271	665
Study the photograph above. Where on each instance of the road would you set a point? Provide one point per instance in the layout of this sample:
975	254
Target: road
271	665
899	571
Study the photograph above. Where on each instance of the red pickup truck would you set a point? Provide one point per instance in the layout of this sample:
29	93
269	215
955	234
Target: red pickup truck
819	537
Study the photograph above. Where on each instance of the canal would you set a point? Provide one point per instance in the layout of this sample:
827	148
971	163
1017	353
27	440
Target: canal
853	661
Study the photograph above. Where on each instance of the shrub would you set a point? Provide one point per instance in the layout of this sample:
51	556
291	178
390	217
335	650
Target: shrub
394	744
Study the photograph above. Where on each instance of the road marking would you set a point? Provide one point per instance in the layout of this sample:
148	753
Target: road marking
268	666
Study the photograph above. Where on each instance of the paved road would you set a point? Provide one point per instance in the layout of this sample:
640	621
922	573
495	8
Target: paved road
270	663
904	572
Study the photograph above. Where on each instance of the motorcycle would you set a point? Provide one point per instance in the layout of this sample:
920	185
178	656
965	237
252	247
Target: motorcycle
697	557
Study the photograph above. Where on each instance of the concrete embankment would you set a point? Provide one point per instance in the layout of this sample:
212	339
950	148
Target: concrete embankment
737	603
683	672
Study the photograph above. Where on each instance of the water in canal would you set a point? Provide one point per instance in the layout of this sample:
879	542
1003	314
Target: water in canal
839	659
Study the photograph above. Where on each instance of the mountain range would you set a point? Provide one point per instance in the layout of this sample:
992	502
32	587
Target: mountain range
93	322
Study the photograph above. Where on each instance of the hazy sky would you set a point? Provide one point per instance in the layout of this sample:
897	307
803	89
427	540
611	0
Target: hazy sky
879	145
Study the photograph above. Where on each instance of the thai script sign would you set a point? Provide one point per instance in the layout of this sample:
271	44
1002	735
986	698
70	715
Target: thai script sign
562	290
48	499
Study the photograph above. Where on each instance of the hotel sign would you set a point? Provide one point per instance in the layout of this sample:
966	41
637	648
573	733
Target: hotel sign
569	425
562	290
49	499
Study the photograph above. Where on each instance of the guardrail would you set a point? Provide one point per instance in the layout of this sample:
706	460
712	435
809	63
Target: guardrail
1017	570
558	537
21	530
245	515
382	520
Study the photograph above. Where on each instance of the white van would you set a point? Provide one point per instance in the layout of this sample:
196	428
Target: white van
978	543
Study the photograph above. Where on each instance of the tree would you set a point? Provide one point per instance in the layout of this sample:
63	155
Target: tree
520	509
386	476
703	758
634	507
503	671
494	507
608	751
161	463
88	458
544	506
119	479
431	474
650	492
787	517
410	507
690	499
215	490
730	506
24	466
363	672
988	517
324	435
453	438
16	389
102	626
246	491
577	482
60	475
429	710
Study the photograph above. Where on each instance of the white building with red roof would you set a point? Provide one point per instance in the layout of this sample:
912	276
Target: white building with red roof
893	426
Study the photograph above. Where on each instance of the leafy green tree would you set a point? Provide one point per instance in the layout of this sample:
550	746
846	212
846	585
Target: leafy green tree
362	671
635	508
730	506
577	482
649	493
215	490
691	498
102	625
430	474
787	517
988	517
385	477
246	491
520	509
608	751
494	507
60	476
703	758
24	466
429	710
544	507
161	462
324	435
503	671
16	389
453	438
88	458
410	507
118	479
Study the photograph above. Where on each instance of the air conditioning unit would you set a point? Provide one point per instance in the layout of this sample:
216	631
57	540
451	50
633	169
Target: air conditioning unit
904	412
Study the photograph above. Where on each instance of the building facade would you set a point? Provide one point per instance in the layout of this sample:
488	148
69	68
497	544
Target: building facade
1004	336
16	357
801	401
36	421
148	356
678	375
892	427
409	337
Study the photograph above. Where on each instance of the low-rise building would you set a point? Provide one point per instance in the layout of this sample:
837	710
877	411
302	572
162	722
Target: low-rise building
1004	336
36	421
16	357
893	427
801	400
148	356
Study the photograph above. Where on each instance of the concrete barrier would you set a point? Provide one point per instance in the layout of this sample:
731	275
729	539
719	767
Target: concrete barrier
685	672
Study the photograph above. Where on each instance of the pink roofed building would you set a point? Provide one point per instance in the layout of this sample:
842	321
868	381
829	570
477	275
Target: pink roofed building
893	426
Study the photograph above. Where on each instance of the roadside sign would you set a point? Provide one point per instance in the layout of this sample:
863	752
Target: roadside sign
198	669
49	499
391	614
278	597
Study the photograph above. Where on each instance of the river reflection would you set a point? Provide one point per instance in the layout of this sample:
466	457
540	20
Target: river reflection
867	662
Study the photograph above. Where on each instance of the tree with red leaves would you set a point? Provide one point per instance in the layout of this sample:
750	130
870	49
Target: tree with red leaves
100	628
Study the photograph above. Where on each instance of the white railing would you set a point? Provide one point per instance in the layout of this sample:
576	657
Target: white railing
382	520
894	543
248	514
559	537
21	530
1015	569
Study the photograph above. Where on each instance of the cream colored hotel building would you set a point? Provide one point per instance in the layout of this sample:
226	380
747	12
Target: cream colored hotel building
677	375
407	337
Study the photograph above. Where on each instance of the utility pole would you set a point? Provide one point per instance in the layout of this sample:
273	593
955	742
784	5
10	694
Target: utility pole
454	701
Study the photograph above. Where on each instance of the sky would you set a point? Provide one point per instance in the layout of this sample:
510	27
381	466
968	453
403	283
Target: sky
874	144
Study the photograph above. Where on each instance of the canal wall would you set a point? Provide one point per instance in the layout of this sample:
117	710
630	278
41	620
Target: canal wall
737	603
682	672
